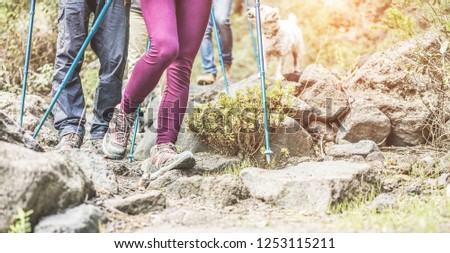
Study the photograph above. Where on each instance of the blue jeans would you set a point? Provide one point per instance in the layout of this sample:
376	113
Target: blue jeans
110	44
222	11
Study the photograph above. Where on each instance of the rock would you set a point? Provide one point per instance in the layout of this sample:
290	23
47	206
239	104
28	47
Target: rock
95	168
34	109
390	184
364	122
375	157
312	187
292	77
409	120
383	201
428	160
389	71
43	182
414	189
443	180
316	74
10	132
300	111
293	137
208	162
81	219
170	177
444	163
358	159
140	203
186	141
320	88
405	96
363	148
223	190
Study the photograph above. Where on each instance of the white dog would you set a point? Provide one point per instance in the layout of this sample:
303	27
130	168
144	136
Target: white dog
281	38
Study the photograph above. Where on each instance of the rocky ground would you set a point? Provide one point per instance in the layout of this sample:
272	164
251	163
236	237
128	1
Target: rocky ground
366	163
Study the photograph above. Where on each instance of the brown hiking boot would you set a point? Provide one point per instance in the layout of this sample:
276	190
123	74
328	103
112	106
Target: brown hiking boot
69	141
227	71
207	78
116	139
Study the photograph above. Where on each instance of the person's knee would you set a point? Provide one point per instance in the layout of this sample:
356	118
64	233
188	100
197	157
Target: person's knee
223	21
165	50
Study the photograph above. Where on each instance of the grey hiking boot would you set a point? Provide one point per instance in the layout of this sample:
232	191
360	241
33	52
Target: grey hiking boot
207	78
69	141
165	157
115	141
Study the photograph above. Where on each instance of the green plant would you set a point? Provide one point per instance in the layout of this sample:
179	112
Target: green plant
233	125
22	222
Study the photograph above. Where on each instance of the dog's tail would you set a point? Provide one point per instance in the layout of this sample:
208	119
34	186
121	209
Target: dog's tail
292	18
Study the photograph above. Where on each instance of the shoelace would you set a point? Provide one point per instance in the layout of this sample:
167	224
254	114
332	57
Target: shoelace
164	153
120	129
72	137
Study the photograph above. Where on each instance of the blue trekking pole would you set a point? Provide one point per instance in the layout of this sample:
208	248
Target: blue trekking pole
252	35
27	60
216	32
136	124
268	151
133	140
74	64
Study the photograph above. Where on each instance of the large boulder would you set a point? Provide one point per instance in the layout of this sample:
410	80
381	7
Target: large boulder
10	132
409	120
96	169
312	186
34	109
364	122
224	190
46	183
81	219
393	82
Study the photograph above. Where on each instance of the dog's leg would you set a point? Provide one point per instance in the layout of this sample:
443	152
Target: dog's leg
278	73
297	62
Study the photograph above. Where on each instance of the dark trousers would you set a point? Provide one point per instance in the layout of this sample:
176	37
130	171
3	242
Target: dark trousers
110	44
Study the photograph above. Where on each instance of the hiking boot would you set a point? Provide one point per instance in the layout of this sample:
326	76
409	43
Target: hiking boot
228	71
115	141
165	157
207	78
69	141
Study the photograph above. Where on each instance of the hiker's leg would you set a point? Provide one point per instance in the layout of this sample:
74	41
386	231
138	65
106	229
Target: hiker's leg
69	113
110	43
222	11
207	50
138	40
161	21
191	29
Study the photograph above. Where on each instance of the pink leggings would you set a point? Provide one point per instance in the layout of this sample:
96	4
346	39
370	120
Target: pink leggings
176	29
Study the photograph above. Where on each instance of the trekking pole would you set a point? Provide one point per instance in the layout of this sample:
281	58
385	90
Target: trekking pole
133	140
268	151
219	47
252	35
136	124
69	74
27	60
